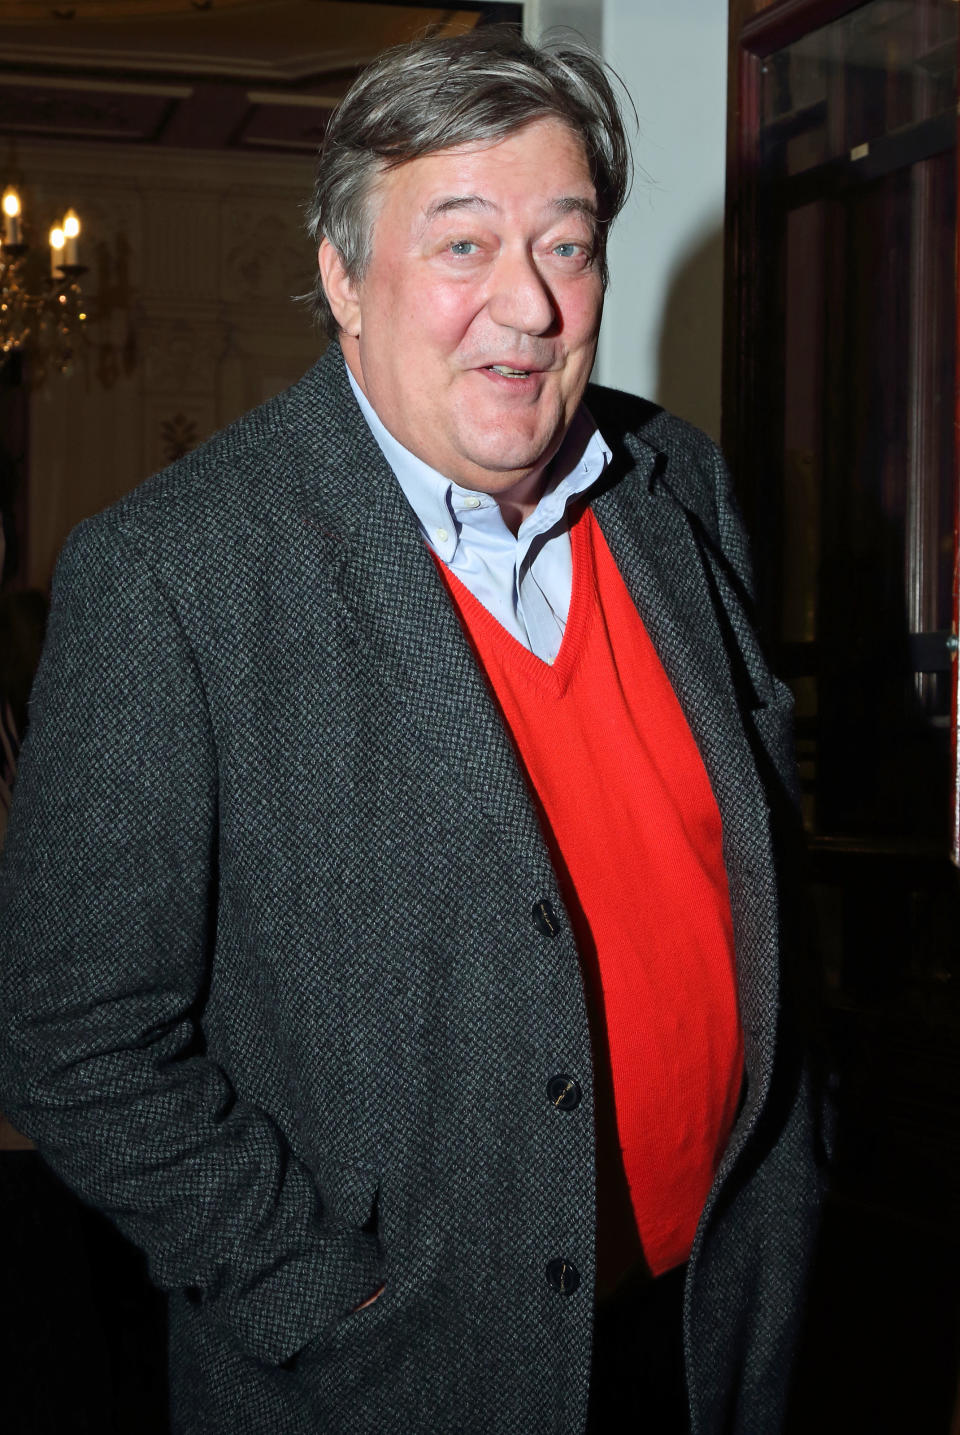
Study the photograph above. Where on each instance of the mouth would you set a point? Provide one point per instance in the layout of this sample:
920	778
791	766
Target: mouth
507	372
516	372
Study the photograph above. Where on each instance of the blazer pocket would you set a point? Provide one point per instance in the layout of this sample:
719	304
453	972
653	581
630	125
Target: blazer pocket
351	1201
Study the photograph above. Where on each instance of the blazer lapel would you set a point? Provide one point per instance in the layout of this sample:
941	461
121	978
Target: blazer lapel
375	556
658	545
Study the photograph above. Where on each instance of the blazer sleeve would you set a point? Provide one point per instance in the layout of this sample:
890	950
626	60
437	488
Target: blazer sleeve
107	925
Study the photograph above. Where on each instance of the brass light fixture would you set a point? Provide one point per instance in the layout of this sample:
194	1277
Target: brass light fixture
41	314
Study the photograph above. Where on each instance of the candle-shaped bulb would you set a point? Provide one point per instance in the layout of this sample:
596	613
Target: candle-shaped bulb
11	215
71	228
57	241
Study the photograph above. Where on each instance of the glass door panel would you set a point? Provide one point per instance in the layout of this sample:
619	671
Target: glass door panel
857	153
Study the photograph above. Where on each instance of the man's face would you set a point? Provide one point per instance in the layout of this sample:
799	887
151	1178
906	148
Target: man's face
474	329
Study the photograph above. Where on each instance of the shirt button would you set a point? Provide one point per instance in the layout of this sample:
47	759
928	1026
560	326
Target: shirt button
472	502
564	1093
441	535
562	1276
543	915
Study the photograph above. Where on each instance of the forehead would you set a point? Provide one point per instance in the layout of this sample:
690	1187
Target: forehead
534	168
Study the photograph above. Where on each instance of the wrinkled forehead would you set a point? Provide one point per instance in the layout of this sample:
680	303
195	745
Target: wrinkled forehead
435	180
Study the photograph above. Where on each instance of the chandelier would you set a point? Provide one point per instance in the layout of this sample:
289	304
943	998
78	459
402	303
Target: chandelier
41	306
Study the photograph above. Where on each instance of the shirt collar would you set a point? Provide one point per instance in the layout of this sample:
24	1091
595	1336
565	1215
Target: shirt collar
444	507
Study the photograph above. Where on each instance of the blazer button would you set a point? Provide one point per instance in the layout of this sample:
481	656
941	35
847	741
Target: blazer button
564	1093
545	919
562	1276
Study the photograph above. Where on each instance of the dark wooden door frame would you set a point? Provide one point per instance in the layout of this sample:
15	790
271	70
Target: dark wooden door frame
756	31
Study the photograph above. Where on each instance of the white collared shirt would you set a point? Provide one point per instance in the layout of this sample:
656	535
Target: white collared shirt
524	580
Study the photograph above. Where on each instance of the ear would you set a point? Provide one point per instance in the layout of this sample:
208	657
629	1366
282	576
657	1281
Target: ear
342	294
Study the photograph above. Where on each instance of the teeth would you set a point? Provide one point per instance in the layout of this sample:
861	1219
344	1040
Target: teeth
509	373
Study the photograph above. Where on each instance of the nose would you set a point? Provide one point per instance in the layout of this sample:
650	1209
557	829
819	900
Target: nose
520	298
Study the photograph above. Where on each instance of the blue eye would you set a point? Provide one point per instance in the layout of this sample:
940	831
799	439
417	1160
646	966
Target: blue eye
566	251
463	246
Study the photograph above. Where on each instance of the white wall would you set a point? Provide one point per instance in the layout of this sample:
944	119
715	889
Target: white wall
584	16
663	326
662	329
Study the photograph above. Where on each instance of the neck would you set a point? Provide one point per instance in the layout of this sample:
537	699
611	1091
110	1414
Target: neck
519	502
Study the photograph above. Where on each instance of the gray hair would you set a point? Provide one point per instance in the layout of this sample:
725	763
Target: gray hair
430	95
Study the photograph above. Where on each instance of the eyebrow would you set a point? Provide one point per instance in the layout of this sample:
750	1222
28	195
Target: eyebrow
574	204
451	202
565	204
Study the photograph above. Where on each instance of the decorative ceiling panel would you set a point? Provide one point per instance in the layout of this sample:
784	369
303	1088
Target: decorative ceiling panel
211	74
274	40
91	114
281	125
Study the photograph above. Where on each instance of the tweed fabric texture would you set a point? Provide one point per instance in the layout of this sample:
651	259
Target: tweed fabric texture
272	993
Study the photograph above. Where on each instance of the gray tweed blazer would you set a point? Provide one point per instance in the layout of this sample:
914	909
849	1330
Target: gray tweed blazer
273	994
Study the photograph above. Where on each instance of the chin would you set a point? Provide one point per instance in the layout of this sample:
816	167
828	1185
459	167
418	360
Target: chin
514	457
506	469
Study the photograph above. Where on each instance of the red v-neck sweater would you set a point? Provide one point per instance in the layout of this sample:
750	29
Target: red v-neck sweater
635	835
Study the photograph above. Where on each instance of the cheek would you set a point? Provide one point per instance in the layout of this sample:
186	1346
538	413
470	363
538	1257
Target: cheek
581	308
447	313
441	309
426	323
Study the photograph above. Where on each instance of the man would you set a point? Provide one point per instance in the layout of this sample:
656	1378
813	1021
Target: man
391	926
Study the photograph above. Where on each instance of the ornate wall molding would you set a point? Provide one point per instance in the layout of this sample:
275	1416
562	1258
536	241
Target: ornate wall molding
192	265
